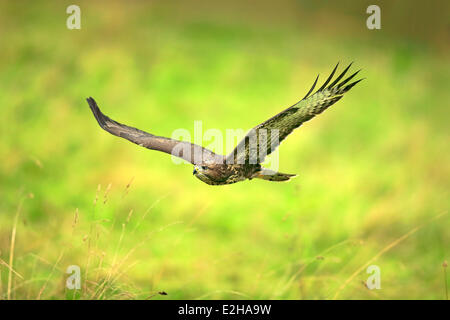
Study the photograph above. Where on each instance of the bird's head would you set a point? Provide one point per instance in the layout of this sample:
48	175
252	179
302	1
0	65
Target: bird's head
204	173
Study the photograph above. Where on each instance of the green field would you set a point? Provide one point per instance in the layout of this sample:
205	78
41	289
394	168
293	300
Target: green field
374	169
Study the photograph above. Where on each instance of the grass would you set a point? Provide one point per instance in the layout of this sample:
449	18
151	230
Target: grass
373	170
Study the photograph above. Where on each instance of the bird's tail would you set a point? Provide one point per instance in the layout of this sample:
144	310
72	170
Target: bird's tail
271	175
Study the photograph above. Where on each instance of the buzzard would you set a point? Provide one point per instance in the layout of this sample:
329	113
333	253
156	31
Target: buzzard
244	162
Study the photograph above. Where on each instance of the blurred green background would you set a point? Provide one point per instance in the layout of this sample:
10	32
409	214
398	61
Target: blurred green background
373	185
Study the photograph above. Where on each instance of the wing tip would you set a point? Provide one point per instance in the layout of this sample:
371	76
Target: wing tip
99	116
336	83
312	88
91	103
351	85
328	79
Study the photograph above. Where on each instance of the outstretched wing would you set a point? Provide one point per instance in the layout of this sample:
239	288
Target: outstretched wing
190	152
266	137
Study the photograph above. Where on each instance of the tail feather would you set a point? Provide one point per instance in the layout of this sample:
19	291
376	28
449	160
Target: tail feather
271	175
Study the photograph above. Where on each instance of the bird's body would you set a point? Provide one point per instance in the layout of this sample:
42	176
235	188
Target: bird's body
244	162
222	173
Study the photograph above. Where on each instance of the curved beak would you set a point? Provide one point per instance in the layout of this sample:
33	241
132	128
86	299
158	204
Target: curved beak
195	171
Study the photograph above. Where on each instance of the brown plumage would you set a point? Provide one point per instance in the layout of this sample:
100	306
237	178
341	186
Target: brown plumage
244	162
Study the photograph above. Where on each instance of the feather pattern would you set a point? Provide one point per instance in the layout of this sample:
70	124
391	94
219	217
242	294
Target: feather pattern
190	152
266	137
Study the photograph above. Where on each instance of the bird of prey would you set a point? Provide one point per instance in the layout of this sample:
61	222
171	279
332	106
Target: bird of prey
244	162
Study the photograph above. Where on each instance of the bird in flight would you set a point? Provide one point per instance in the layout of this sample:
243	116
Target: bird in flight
244	162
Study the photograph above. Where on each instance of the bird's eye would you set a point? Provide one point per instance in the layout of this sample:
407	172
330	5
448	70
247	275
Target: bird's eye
204	167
